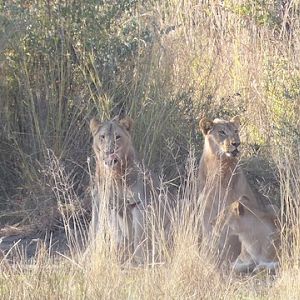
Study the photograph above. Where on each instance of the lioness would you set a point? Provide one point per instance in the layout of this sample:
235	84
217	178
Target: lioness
130	193
257	231
221	180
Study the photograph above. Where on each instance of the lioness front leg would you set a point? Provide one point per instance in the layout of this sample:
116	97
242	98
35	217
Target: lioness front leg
96	224
229	247
244	262
139	234
118	238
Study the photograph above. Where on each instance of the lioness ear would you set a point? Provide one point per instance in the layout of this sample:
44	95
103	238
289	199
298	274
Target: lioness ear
126	122
238	208
205	125
94	126
237	121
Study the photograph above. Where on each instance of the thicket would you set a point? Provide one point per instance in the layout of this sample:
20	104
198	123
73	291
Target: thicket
165	63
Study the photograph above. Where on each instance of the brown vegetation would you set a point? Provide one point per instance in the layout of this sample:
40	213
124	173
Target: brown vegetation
165	64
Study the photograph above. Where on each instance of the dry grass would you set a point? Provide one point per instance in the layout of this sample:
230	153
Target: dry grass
59	67
188	271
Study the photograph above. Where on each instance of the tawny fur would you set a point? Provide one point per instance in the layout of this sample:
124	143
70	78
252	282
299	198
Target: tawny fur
221	181
128	191
257	231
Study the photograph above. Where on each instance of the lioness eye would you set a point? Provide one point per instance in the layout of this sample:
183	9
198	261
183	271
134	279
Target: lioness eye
118	137
222	132
102	137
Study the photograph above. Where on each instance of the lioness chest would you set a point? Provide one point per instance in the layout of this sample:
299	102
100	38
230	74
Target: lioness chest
136	192
221	189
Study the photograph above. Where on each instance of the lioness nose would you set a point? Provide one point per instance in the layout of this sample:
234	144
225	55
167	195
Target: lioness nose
235	144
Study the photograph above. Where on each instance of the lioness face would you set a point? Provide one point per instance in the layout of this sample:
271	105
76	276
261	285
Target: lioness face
223	136
112	142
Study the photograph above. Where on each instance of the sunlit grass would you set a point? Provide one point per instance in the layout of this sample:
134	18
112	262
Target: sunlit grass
200	58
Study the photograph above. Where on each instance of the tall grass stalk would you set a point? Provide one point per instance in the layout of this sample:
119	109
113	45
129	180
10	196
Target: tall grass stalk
166	63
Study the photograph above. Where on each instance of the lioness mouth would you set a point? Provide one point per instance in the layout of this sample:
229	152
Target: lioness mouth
235	152
111	162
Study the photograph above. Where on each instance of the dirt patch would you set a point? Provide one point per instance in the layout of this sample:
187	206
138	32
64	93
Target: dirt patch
24	244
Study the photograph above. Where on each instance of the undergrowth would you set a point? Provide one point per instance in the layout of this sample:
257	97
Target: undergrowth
166	64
